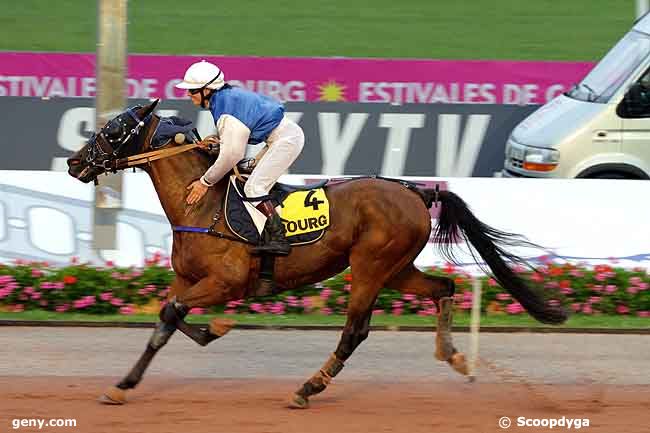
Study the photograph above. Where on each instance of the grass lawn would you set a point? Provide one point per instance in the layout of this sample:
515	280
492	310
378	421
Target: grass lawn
480	29
337	320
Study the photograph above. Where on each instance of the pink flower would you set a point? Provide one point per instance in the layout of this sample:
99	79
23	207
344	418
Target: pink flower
586	309
537	277
597	288
503	296
634	280
341	300
229	311
117	302
491	282
576	273
576	307
326	311
514	308
466	305
643	313
610	288
378	311
518	269
409	297
62	308
18	308
468	296
397	311
397	304
600	277
36	273
643	286
595	299
106	296
110	264
566	291
127	310
36	295
197	310
622	309
256	307
4	279
325	293
277	308
632	290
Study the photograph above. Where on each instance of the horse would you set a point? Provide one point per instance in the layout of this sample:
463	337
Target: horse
377	229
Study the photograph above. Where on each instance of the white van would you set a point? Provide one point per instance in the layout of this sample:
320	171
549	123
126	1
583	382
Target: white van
598	129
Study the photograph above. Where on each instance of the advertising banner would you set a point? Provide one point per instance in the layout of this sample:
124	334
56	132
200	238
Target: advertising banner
395	81
455	140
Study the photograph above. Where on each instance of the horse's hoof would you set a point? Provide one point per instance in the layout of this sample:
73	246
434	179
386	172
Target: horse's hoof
221	327
458	363
113	395
298	402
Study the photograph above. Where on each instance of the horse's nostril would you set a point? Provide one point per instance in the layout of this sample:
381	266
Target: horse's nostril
72	162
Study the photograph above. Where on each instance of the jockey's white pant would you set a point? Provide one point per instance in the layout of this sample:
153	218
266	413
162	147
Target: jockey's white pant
285	144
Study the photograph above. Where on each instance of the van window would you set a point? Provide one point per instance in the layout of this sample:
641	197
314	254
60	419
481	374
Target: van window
613	70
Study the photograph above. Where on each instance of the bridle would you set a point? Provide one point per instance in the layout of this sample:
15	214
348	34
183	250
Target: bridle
99	156
109	160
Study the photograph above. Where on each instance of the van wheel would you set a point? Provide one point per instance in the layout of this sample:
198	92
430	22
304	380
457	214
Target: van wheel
612	175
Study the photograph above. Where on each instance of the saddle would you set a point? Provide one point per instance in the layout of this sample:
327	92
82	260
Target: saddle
304	210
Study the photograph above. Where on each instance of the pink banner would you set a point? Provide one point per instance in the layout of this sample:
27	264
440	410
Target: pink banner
305	79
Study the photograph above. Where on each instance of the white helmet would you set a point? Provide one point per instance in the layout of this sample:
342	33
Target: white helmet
202	74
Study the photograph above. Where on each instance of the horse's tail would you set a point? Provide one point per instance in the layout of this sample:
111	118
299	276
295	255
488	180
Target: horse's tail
456	220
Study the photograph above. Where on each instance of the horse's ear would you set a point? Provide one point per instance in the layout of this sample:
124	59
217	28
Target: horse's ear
147	110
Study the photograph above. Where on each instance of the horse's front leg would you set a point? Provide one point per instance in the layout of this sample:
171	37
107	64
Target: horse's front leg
206	293
162	333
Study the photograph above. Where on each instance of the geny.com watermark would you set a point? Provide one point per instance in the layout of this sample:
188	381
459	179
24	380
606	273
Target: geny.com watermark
40	423
564	422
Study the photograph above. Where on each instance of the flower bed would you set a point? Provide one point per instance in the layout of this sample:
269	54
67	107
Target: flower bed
107	289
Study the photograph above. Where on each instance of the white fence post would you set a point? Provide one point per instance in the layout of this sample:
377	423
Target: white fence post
475	325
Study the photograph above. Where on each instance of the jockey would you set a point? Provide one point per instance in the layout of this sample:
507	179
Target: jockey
243	117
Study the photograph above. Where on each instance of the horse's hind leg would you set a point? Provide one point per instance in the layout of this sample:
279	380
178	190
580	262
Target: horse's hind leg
355	331
441	290
373	262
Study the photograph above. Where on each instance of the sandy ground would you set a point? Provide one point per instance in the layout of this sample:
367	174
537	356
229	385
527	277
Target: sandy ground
243	382
164	405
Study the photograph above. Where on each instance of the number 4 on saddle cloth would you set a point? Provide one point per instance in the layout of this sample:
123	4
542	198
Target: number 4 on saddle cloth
304	211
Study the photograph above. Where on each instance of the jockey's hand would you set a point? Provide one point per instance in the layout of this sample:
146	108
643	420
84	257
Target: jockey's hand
197	191
211	143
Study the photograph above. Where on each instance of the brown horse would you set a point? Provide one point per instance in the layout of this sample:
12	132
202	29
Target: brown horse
377	227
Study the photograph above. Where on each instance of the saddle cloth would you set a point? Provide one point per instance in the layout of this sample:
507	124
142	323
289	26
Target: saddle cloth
304	212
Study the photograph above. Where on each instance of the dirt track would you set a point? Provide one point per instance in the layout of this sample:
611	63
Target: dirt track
242	383
258	406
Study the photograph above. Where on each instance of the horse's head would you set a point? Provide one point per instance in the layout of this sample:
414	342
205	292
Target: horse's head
119	138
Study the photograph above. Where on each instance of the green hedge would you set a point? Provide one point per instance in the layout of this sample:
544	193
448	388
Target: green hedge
108	289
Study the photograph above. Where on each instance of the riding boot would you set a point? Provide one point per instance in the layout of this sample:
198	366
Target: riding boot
275	241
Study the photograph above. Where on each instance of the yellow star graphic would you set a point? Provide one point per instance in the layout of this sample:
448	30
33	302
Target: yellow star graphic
331	92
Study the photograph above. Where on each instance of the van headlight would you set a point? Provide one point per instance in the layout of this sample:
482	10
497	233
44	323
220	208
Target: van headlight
540	159
531	158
